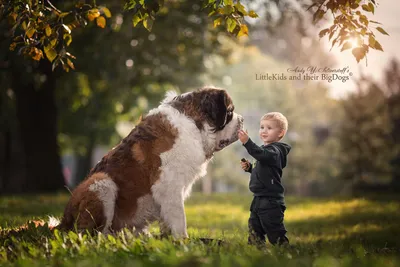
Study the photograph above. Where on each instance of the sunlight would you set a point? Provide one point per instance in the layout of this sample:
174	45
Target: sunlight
354	42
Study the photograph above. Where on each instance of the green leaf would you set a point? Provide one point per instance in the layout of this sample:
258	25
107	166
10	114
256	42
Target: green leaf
101	22
240	8
50	52
346	45
230	24
136	20
148	24
382	30
227	10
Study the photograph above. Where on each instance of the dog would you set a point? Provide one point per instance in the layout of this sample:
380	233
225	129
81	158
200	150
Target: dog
148	176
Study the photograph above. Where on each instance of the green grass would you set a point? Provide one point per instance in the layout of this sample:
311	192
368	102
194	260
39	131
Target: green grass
323	232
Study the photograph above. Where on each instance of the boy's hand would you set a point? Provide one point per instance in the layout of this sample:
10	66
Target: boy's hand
245	165
243	136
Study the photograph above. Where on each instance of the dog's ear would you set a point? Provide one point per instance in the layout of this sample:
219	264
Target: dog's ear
215	105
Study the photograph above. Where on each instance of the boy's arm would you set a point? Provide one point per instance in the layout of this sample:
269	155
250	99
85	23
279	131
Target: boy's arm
261	154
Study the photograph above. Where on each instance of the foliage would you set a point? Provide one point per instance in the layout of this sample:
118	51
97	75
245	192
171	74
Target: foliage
39	28
369	132
351	27
323	232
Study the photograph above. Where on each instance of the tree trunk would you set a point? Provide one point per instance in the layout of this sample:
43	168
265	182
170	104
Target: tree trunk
37	118
84	163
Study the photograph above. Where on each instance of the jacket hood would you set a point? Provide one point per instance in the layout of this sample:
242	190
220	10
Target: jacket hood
284	149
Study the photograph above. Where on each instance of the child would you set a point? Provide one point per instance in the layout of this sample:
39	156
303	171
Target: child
268	205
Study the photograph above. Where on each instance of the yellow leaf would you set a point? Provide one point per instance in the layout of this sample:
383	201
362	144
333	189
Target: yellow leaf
64	14
241	9
101	22
69	62
243	30
371	41
217	22
53	42
50	52
253	14
48	30
93	13
30	32
106	12
148	24
346	45
136	20
67	39
381	30
13	46
36	53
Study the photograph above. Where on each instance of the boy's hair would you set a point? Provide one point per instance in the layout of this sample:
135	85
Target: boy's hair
280	118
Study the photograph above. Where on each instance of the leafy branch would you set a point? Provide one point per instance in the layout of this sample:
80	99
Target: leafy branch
351	27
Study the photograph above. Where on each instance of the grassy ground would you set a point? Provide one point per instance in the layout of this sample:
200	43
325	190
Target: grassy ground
323	232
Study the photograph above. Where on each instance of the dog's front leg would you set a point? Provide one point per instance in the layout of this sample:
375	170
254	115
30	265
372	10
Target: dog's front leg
172	211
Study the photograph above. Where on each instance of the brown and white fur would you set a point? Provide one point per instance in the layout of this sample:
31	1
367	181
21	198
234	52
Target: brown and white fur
148	176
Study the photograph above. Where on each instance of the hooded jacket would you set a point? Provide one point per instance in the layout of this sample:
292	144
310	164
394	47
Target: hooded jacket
266	172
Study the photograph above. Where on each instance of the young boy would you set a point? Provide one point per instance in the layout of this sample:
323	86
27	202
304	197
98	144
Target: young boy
268	205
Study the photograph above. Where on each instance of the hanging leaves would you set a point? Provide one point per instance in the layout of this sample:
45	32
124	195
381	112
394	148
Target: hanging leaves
36	27
351	26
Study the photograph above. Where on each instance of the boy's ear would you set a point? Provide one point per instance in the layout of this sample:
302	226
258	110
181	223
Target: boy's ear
282	134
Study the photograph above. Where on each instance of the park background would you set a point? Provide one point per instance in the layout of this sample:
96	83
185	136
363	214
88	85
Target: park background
343	172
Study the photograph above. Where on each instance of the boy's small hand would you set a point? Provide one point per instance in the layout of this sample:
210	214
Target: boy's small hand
245	165
243	136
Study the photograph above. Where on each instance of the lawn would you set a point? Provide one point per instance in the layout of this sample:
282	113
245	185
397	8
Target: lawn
323	232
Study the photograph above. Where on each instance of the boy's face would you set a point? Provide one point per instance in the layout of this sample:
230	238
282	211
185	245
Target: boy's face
270	131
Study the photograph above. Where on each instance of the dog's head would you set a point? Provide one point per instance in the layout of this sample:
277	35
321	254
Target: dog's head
212	110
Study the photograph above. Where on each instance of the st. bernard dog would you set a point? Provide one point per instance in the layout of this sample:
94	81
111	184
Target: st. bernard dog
148	176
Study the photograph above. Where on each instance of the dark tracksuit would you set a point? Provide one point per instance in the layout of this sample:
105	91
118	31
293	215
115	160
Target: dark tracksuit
268	205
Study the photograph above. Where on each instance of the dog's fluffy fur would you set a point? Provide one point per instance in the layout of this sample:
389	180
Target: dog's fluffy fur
150	173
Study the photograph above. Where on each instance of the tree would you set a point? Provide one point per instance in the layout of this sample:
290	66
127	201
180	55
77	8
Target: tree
46	30
166	56
370	133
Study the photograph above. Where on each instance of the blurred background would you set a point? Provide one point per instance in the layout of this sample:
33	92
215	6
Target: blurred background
345	136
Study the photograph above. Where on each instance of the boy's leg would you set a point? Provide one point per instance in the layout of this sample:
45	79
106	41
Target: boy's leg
256	231
271	217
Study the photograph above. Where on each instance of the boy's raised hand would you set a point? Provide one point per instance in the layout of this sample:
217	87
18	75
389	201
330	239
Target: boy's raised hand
243	136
